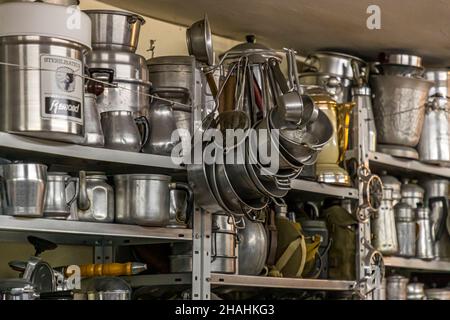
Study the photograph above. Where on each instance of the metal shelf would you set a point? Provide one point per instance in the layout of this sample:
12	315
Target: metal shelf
71	157
417	264
281	283
86	233
381	161
306	186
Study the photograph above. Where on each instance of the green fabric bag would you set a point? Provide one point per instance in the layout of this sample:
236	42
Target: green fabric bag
342	227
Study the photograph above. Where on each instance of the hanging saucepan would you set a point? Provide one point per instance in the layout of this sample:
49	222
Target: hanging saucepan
199	41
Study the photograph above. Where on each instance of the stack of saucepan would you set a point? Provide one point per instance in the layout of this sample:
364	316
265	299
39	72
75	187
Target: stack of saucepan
243	174
124	100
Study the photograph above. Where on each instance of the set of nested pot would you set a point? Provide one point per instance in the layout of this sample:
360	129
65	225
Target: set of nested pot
124	100
412	220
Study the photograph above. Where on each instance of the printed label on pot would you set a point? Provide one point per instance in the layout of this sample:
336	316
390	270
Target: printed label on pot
61	88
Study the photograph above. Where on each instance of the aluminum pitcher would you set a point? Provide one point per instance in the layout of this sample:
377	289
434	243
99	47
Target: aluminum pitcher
434	145
383	226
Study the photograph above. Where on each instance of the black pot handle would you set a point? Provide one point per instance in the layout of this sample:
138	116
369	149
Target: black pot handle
190	198
109	72
441	223
143	121
56	295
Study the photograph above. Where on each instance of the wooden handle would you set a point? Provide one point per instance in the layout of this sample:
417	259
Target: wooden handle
107	269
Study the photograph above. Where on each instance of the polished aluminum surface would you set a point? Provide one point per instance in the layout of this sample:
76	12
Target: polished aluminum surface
383	226
415	291
223	245
412	194
95	198
438	294
253	248
23	188
93	132
179	209
28	104
121	131
58	199
434	144
339	88
398	151
335	63
393	183
406	229
440	78
399	108
425	243
115	30
199	41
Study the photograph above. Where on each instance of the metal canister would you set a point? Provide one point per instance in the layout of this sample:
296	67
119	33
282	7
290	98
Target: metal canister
383	226
412	194
396	287
425	244
406	229
223	246
363	100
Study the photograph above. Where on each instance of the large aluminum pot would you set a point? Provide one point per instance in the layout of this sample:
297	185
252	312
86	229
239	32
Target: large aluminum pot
115	30
252	248
399	108
23	187
44	95
434	145
128	74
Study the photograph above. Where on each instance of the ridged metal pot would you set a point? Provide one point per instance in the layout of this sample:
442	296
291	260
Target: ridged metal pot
252	248
399	108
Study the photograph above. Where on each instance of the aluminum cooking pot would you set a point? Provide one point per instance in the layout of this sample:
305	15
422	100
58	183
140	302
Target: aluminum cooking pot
128	74
115	30
45	103
252	248
399	108
149	196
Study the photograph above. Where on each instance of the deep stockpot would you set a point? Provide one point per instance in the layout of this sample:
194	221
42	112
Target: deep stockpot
399	108
44	96
129	78
115	30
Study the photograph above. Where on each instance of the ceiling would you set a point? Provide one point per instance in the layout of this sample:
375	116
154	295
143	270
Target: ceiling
415	26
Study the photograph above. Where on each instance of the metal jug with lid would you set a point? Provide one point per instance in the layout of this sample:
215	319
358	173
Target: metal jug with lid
424	244
393	183
95	198
436	195
412	194
434	145
383	226
405	223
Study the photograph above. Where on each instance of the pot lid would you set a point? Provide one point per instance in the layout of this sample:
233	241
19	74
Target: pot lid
31	19
404	212
412	190
116	12
251	47
392	183
126	66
